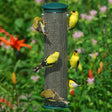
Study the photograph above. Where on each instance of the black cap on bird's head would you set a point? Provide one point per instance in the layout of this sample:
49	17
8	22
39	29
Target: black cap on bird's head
73	80
76	52
72	12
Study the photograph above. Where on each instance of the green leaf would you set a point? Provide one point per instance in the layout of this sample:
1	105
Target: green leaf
17	65
19	22
30	109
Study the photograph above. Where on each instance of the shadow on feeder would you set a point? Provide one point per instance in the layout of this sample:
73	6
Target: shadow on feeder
54	68
46	40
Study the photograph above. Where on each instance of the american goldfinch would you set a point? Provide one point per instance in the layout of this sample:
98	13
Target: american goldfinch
73	20
74	61
72	84
48	62
39	25
52	96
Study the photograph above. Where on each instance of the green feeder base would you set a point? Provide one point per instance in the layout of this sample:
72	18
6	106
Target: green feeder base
55	107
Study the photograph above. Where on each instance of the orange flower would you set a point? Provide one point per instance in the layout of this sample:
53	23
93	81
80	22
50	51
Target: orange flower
14	78
72	92
3	31
90	73
90	79
0	100
101	65
15	43
99	71
100	68
6	102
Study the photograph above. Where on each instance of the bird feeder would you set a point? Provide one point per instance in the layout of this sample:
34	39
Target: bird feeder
52	1
54	14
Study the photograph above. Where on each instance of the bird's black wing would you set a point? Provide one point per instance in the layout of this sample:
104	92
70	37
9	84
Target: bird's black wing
77	65
44	63
39	27
73	27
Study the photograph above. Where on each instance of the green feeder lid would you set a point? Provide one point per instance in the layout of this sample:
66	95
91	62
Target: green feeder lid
55	7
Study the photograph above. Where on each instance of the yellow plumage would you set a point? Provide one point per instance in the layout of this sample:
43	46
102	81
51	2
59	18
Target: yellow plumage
80	66
39	25
72	84
37	20
52	96
48	62
74	61
53	58
48	93
73	20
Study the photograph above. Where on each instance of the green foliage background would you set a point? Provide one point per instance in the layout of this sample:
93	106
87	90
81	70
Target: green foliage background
16	17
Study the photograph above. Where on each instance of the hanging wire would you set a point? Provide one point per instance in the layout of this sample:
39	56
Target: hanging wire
67	12
43	3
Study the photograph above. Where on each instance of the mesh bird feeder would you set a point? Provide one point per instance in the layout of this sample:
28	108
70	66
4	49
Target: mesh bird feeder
55	16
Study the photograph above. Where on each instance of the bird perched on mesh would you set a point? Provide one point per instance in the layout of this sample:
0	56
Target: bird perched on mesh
39	25
73	19
72	84
52	96
48	62
74	60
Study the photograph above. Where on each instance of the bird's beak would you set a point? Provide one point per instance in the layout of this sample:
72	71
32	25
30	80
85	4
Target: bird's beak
71	12
39	18
74	53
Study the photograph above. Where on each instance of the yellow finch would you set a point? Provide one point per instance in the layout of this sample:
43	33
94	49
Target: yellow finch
73	20
52	96
39	25
72	84
74	61
48	62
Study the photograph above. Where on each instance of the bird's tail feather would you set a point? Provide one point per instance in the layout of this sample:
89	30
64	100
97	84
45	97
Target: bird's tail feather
37	69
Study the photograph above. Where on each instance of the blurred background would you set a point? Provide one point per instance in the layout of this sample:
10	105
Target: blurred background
92	37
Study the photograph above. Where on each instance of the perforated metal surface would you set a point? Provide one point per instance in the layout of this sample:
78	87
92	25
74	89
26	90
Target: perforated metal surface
56	76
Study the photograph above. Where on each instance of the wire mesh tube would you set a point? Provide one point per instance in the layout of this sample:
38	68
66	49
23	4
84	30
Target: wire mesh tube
56	40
